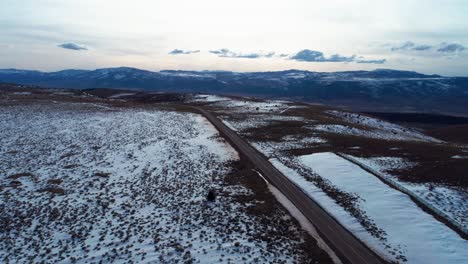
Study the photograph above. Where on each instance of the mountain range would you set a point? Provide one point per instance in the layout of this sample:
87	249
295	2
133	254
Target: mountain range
377	90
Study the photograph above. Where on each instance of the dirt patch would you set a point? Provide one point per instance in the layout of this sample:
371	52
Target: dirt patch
19	175
57	191
15	184
71	166
277	130
456	134
102	174
55	181
67	155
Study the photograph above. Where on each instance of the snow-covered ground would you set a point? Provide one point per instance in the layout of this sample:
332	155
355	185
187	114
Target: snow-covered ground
379	128
247	106
272	148
209	98
120	95
450	200
275	149
404	231
371	128
89	183
243	123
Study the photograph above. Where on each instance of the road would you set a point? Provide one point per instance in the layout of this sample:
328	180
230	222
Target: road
347	247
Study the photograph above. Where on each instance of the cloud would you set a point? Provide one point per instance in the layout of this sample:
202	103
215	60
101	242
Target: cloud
422	47
72	46
178	51
318	56
405	46
450	48
219	52
382	61
339	58
443	47
226	53
308	55
411	46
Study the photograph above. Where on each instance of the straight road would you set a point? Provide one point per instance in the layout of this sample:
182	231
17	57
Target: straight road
347	247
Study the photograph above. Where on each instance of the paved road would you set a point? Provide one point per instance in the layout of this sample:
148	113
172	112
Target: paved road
347	247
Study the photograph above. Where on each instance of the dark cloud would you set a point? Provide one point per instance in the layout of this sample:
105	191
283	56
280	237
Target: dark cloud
178	51
411	46
450	48
422	47
339	58
226	53
243	56
220	51
317	56
405	46
269	55
72	46
442	48
308	55
382	61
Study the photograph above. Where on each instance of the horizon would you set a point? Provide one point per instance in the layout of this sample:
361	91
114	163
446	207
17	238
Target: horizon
422	36
188	70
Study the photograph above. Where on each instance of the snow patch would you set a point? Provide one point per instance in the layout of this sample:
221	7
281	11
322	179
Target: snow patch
406	225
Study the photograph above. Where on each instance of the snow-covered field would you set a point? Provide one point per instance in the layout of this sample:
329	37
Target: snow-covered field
87	183
397	227
450	200
209	98
246	106
120	95
241	124
372	128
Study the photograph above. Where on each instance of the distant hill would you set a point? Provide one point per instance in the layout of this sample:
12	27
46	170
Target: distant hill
381	89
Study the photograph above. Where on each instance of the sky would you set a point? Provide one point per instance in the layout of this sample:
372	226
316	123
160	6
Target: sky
428	36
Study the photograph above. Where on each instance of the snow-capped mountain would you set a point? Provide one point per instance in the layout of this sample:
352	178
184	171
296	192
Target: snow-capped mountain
381	88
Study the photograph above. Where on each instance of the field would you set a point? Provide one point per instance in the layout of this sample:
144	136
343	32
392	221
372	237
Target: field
87	181
124	176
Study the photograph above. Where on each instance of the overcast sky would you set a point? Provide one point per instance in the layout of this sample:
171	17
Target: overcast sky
429	36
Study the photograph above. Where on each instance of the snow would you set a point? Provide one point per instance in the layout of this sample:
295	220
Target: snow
82	183
380	129
450	200
22	93
243	123
188	75
120	95
119	76
376	133
329	204
275	149
246	106
209	98
406	225
459	157
230	125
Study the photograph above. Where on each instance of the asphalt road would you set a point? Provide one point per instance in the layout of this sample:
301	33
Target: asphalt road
347	247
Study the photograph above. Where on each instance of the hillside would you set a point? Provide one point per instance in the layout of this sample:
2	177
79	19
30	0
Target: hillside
378	90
